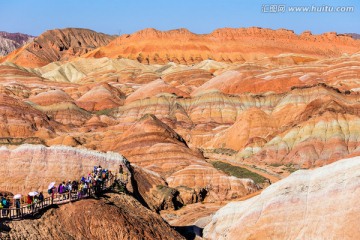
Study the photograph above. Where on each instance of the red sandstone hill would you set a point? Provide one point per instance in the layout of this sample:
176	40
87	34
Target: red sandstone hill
226	45
57	44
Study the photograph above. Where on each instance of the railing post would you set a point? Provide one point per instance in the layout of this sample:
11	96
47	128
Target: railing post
56	198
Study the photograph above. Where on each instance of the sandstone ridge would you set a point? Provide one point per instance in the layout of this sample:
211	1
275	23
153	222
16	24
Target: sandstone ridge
225	45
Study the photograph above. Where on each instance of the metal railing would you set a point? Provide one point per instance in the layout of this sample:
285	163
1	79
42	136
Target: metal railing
29	210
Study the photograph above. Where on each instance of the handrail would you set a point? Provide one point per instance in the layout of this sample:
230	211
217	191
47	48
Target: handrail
63	198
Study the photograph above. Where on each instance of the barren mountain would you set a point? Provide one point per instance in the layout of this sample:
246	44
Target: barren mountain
56	45
224	45
269	102
11	41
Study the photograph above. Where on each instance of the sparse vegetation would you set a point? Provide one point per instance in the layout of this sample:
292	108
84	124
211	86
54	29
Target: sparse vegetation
161	187
20	141
225	151
107	112
287	167
290	168
275	164
238	172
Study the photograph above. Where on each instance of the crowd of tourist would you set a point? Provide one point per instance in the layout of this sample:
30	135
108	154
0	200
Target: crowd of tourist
92	184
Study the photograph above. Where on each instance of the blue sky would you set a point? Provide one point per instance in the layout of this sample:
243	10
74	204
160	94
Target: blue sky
199	16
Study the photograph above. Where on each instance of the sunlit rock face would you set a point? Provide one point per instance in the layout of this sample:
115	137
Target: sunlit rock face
33	167
309	204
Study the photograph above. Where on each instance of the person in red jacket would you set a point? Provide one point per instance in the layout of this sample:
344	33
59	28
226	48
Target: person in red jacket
29	201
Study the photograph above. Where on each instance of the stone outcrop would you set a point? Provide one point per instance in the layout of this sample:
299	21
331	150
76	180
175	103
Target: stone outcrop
305	205
154	191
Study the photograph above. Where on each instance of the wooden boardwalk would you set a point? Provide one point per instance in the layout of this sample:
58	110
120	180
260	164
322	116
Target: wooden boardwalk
29	210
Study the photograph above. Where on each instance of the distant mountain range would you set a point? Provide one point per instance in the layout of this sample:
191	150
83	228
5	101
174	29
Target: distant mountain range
11	41
151	46
354	35
58	44
62	44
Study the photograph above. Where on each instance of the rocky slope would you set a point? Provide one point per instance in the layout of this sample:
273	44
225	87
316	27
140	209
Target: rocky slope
225	45
33	167
291	208
153	145
56	45
11	41
112	217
